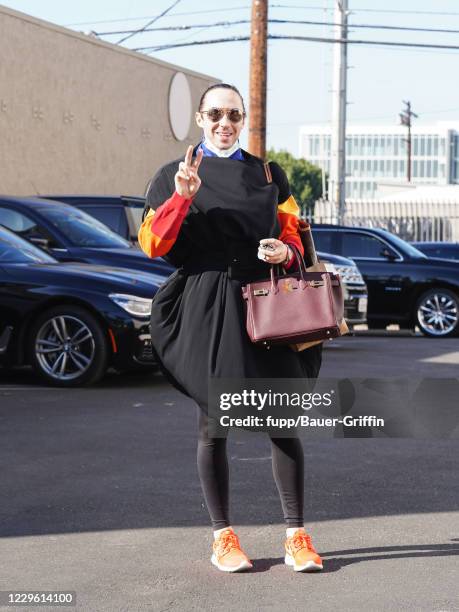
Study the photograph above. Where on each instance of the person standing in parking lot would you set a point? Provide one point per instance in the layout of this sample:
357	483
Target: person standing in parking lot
214	216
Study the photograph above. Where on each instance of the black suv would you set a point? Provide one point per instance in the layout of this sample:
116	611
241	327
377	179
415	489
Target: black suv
404	285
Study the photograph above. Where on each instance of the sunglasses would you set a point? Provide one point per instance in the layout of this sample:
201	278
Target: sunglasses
233	114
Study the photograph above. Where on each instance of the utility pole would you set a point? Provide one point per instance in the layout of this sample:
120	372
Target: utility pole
405	119
337	181
258	78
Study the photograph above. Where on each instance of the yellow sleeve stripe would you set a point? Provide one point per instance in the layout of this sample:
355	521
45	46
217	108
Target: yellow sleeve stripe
289	206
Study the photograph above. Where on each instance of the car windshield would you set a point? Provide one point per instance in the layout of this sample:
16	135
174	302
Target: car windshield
81	229
16	250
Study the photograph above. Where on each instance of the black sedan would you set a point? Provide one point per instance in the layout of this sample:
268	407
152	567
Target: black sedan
442	250
404	285
71	321
70	234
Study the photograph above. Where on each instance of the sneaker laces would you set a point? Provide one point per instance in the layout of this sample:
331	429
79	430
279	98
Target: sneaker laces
227	541
301	540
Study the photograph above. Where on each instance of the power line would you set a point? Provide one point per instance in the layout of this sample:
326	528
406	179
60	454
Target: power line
246	7
396	11
220	10
280	21
372	26
415	50
196	42
303	38
367	10
180	27
149	23
367	118
367	42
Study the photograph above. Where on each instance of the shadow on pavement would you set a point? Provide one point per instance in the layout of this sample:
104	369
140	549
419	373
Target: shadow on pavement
334	563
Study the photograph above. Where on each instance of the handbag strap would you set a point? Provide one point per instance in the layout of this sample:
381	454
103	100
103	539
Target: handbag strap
267	168
304	229
299	258
296	251
301	267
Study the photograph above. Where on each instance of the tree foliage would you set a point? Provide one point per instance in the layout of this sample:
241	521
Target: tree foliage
305	178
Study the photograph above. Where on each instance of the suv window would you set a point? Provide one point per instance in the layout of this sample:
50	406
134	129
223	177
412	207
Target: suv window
136	213
113	216
356	244
326	241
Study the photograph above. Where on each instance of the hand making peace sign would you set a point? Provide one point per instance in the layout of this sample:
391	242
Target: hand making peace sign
187	181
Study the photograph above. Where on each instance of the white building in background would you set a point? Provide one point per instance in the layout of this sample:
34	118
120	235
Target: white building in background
378	154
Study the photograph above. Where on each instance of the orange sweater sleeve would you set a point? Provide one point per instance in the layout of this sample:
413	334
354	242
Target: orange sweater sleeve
160	228
288	214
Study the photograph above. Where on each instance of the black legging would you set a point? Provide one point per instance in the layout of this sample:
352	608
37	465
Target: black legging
287	462
288	471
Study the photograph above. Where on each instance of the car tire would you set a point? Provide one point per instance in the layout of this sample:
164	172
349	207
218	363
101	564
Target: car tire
57	360
436	308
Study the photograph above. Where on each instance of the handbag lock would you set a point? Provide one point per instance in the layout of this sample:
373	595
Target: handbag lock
258	292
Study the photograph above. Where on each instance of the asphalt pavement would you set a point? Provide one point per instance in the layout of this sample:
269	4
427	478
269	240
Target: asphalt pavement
100	495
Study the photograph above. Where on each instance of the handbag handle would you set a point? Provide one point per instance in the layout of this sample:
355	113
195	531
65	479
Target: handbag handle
301	266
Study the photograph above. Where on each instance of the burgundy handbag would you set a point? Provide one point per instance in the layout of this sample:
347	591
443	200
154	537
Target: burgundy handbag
297	307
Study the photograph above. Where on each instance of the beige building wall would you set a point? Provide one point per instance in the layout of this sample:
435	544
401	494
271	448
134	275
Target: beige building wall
78	115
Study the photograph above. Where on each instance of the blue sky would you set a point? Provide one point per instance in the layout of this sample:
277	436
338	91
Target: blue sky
299	73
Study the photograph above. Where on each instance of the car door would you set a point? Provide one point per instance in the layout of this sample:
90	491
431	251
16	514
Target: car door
382	267
7	316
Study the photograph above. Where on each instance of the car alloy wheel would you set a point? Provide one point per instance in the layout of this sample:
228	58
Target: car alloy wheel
437	313
65	347
68	346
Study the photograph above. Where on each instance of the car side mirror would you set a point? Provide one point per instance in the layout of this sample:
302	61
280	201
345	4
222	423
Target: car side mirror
387	253
43	243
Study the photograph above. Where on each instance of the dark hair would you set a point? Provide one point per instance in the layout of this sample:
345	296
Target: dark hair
221	86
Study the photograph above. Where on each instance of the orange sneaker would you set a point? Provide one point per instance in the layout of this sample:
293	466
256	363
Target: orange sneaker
301	554
227	554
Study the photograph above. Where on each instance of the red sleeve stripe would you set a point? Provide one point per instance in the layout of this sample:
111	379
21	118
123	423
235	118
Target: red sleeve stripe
160	229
